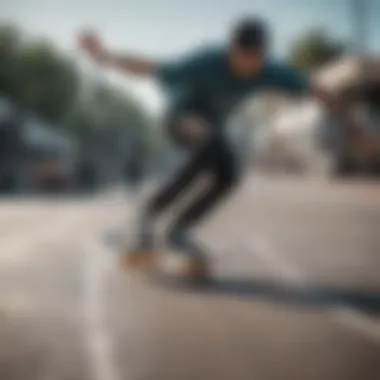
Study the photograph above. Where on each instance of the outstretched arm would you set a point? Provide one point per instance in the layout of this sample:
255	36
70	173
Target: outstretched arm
295	81
355	126
183	71
128	63
131	64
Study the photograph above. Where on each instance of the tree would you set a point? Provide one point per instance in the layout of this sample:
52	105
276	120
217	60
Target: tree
36	77
49	81
33	75
315	49
108	118
9	45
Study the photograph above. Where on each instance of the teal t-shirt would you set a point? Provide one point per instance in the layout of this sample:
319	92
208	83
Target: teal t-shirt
202	82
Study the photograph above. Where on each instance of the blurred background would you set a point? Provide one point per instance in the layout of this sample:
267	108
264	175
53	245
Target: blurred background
77	144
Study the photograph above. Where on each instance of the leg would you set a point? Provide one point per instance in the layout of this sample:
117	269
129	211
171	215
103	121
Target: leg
177	184
166	195
225	177
192	128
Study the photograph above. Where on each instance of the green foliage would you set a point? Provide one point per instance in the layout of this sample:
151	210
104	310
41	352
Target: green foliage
315	49
37	77
49	81
9	46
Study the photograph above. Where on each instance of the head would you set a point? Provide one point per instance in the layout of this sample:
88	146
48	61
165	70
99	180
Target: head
248	47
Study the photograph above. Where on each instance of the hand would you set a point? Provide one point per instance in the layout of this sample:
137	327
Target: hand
188	131
91	44
195	128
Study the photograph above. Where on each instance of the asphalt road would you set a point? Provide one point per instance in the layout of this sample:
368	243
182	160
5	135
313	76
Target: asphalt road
299	295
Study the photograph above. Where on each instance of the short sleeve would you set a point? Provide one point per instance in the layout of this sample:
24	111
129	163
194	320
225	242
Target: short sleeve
289	79
182	71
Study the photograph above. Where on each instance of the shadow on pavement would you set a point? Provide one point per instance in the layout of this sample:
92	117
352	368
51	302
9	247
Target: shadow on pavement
298	295
269	290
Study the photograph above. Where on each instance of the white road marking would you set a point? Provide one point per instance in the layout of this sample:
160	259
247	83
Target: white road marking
15	248
265	250
21	246
97	338
359	322
97	265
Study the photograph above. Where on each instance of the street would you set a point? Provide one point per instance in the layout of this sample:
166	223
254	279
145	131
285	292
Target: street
300	263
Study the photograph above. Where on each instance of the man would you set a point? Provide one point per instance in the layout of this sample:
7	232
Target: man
205	88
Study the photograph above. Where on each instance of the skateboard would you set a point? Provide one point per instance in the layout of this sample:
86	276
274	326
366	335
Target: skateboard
255	288
155	271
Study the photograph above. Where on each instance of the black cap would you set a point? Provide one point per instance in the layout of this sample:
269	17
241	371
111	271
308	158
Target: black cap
251	34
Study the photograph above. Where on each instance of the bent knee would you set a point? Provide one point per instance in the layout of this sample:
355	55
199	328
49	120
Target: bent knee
228	179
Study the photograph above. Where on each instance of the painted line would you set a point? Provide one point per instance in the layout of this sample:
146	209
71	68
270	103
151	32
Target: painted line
98	340
265	250
97	266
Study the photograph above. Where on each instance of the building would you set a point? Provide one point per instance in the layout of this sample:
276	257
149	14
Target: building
302	130
34	154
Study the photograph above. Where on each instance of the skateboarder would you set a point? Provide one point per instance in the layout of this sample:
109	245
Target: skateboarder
204	88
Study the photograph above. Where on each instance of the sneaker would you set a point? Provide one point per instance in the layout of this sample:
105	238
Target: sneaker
139	259
196	270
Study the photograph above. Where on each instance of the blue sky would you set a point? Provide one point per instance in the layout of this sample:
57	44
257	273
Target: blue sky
165	27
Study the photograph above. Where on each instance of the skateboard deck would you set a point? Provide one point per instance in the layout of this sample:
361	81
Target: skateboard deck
158	274
256	288
165	278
